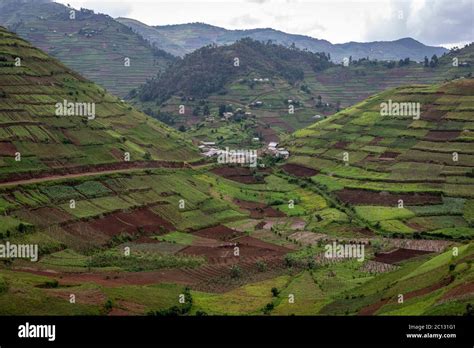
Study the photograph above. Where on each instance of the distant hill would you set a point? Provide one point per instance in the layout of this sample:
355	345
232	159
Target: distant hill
363	78
276	77
95	45
95	132
258	93
181	39
210	68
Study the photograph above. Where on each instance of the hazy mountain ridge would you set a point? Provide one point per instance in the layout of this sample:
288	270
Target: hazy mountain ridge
185	38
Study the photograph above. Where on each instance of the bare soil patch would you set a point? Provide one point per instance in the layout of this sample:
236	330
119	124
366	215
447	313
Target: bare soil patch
259	210
139	219
374	307
399	255
376	140
219	232
299	170
435	135
364	197
429	289
432	115
45	216
459	291
139	222
249	247
340	145
243	175
389	155
7	149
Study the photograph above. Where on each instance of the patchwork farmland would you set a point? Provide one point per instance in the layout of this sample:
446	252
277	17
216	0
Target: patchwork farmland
131	237
405	176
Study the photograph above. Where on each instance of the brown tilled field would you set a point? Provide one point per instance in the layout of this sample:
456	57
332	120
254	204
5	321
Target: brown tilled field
137	222
220	232
364	197
248	248
243	175
259	210
7	149
442	135
299	170
462	290
399	255
46	216
389	155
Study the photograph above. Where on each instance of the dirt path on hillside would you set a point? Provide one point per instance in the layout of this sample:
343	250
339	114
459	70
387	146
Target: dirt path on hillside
93	172
66	176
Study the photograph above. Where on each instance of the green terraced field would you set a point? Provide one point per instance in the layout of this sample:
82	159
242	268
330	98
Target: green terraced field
352	158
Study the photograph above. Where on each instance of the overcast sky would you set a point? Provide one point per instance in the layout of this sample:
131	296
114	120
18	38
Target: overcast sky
433	22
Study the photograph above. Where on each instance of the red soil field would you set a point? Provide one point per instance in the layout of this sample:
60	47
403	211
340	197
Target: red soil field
139	221
371	309
7	149
298	170
374	307
340	145
71	171
259	210
442	135
432	115
274	121
131	222
428	289
71	137
45	216
268	134
376	140
364	197
113	279
250	241
364	231
219	232
389	155
240	174
248	248
399	255
226	253
459	291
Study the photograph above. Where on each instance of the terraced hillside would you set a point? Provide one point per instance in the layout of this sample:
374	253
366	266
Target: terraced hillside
92	44
263	96
136	239
403	175
35	138
258	90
